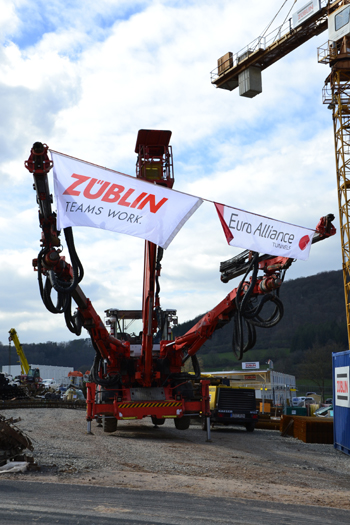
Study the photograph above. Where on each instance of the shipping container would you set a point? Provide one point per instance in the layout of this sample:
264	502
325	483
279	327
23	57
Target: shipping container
341	401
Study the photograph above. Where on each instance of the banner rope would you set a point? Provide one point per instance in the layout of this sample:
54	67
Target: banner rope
177	191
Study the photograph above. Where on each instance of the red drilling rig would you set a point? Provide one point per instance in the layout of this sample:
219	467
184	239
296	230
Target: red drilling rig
137	376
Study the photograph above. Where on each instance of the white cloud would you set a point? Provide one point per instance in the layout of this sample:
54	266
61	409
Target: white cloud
9	20
85	78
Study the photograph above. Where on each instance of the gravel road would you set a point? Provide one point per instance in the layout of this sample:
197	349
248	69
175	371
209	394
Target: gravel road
261	465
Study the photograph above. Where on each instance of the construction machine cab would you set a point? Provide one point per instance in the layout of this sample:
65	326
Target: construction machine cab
33	375
154	157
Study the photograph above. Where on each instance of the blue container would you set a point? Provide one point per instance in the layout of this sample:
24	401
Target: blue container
341	401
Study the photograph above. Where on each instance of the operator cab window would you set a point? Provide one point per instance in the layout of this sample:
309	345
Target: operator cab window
342	18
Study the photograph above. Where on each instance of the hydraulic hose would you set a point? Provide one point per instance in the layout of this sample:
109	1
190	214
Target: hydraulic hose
274	318
195	365
74	322
160	252
45	290
77	267
63	289
109	382
238	345
247	315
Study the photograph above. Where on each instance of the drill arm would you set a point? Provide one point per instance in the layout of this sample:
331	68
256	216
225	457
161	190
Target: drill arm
246	302
55	273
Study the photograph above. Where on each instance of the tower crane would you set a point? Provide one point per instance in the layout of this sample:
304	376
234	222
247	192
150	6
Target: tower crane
243	70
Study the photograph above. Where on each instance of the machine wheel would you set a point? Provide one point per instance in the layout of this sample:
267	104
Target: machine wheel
99	421
250	427
182	423
157	421
109	424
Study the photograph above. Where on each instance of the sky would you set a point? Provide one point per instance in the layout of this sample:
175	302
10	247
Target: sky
84	77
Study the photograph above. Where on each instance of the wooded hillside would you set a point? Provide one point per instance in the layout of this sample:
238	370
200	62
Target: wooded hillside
314	314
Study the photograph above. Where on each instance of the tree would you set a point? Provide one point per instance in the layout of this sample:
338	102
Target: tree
317	363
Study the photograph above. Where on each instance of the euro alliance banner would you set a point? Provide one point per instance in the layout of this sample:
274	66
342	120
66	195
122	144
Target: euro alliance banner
263	234
88	195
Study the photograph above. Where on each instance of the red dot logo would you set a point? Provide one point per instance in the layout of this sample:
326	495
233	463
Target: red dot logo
304	241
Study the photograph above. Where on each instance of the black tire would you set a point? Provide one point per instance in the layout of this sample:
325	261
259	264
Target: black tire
250	427
99	421
109	424
182	423
157	421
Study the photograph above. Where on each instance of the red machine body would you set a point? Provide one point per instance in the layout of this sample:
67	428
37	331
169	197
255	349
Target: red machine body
135	376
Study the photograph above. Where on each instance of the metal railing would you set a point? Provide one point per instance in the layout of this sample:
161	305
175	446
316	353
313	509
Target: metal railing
259	43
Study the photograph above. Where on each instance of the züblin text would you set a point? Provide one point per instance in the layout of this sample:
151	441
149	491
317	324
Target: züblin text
110	193
263	230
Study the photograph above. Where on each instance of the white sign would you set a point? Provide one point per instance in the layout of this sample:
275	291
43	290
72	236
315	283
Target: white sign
305	12
264	235
253	365
341	387
88	195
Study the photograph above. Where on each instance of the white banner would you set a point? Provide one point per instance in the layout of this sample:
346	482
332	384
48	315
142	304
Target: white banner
88	195
264	235
341	387
253	365
305	12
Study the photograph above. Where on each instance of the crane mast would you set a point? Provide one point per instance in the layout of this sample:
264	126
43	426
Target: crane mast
336	94
243	70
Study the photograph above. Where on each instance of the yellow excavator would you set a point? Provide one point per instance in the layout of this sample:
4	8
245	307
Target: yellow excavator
30	377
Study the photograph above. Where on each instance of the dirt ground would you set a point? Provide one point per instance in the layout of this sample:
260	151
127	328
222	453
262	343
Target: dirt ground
261	465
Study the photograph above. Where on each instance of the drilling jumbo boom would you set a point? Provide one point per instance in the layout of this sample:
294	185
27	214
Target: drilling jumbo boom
137	376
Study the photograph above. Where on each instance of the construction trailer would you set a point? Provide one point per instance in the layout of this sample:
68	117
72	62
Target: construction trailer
269	386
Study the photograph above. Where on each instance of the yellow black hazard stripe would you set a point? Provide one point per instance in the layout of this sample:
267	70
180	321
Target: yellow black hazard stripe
151	404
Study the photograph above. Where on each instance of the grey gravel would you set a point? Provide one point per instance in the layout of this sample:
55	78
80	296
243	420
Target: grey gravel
260	465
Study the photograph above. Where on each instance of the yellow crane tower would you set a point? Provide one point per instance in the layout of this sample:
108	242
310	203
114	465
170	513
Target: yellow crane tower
22	358
30	377
242	70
